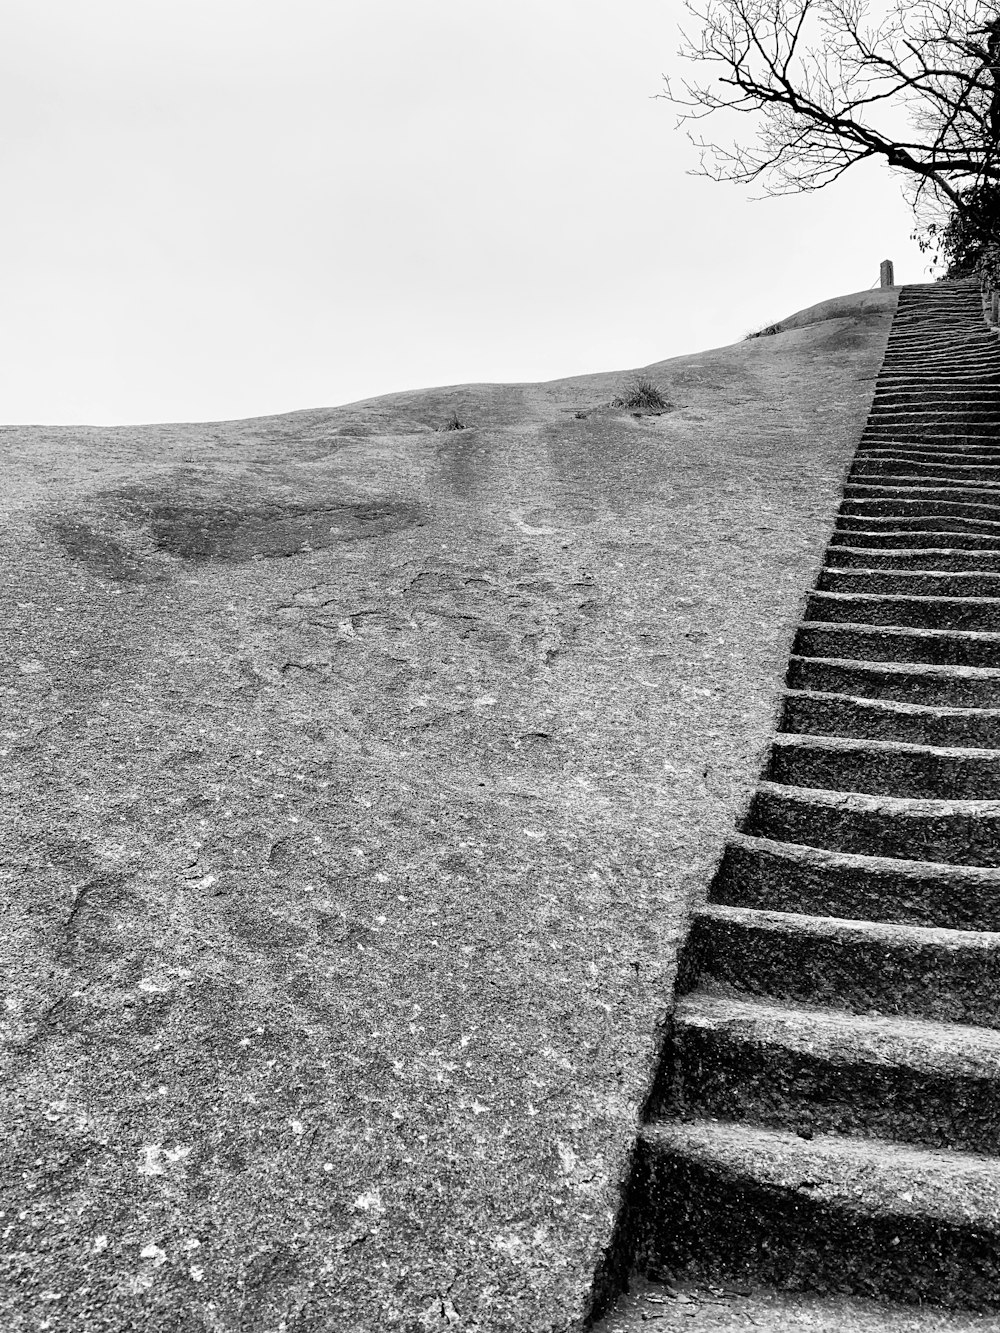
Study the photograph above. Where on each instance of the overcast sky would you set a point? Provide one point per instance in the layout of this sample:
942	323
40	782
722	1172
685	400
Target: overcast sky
223	208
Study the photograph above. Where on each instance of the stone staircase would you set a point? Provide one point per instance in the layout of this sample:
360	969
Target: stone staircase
827	1114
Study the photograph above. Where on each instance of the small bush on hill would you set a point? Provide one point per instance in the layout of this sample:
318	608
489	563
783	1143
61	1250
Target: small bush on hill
640	393
454	422
765	332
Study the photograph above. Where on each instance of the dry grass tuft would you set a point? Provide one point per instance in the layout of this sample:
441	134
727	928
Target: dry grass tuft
640	393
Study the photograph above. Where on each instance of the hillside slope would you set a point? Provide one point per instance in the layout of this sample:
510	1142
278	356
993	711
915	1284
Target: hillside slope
361	774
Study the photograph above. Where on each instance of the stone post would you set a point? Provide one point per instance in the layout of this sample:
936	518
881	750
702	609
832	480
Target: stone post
886	275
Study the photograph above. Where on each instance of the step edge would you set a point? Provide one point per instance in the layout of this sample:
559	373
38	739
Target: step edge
792	740
830	858
891	707
901	596
895	1166
856	929
871	803
821	1030
930	670
984	636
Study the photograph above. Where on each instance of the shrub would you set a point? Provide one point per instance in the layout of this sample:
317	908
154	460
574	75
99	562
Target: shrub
454	422
766	332
640	393
966	239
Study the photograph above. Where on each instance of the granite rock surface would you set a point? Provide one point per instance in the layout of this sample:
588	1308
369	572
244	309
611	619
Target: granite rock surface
359	778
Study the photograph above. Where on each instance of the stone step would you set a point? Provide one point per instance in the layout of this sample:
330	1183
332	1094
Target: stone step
930	325
932	384
925	304
969	613
938	300
780	875
926	558
985	453
811	713
988	365
926	416
924	318
964	318
680	1306
890	643
828	1071
932	505
958	408
943	347
884	767
945	387
946	459
904	485
987	370
933	448
914	461
896	466
948	418
957	439
945	368
854	532
953	332
864	966
958	318
725	1201
972	528
969	358
979	383
942	419
953	831
943	391
910	478
932	329
937	685
987	407
958	455
962	357
911	582
949	445
935	401
916	358
928	437
945	339
950	334
927	297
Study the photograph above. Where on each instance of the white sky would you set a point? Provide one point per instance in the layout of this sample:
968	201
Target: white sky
222	208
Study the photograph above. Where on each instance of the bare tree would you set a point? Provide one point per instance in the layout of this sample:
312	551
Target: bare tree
917	86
